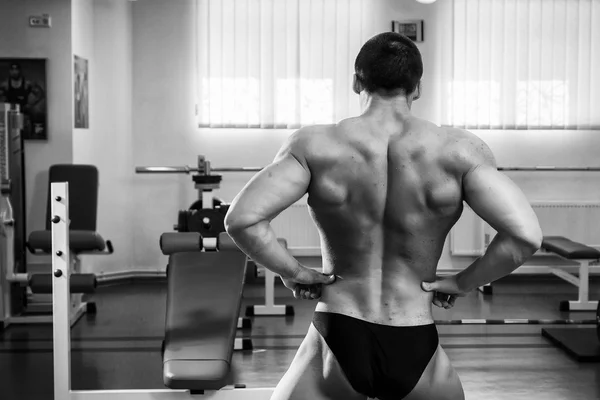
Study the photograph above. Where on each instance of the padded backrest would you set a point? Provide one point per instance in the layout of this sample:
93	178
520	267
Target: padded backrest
83	194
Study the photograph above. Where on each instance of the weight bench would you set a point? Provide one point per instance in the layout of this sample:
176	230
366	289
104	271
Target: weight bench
583	255
203	304
581	343
204	296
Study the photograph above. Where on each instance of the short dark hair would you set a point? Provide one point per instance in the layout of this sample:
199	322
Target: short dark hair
389	61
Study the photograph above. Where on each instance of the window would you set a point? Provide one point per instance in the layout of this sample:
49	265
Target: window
524	64
278	63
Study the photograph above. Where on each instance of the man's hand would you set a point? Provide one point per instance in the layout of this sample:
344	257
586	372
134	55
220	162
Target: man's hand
307	283
445	289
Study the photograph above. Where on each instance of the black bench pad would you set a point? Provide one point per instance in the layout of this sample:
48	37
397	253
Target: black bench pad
569	249
203	303
79	241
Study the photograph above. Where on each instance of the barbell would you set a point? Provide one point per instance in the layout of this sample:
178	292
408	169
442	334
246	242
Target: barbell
550	168
187	169
204	168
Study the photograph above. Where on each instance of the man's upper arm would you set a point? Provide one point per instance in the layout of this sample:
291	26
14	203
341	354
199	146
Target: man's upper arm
495	197
275	188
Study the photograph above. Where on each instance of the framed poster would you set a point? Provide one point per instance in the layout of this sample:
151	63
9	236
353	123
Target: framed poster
81	95
23	82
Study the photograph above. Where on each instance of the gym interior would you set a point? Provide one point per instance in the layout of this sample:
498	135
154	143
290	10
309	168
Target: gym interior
144	120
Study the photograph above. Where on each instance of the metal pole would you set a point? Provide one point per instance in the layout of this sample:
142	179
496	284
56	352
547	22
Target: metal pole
61	298
238	169
188	169
550	168
166	170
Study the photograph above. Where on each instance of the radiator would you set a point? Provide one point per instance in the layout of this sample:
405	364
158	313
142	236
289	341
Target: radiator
578	221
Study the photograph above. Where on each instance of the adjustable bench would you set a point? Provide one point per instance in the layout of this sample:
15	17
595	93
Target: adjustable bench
583	255
203	304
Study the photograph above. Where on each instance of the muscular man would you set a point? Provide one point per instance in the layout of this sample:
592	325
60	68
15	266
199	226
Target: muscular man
384	189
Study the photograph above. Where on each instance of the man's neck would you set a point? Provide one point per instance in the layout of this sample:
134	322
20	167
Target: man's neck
398	106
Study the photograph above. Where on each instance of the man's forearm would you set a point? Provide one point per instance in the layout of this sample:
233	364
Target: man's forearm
503	256
260	243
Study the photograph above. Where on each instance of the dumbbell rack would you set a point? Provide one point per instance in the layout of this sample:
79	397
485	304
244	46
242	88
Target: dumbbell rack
207	218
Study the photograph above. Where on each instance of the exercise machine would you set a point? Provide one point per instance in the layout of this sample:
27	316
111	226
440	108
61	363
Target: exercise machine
199	337
207	215
25	296
12	215
84	239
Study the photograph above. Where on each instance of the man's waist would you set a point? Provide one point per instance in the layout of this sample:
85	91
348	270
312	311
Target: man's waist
398	309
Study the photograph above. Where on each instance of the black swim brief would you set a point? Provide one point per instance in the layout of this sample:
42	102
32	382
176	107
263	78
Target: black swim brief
379	361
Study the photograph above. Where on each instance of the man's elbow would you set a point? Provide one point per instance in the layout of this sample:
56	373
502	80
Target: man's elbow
236	224
233	224
532	238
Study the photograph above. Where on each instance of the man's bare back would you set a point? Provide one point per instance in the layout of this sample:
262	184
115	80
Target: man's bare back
384	201
384	189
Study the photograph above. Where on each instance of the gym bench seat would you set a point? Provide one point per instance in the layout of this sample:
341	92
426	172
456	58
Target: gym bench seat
569	249
83	192
583	255
203	303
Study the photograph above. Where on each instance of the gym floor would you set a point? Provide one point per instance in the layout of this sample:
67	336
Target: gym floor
119	348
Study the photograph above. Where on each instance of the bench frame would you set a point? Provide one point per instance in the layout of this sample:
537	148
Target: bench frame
583	302
62	329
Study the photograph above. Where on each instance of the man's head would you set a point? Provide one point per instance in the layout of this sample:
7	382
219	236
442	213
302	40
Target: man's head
389	64
15	71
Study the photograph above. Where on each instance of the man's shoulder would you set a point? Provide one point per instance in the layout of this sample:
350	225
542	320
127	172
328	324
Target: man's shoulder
459	135
311	135
303	141
466	149
319	129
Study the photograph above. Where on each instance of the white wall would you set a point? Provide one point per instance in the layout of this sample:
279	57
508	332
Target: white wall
102	35
82	33
165	131
82	16
54	44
